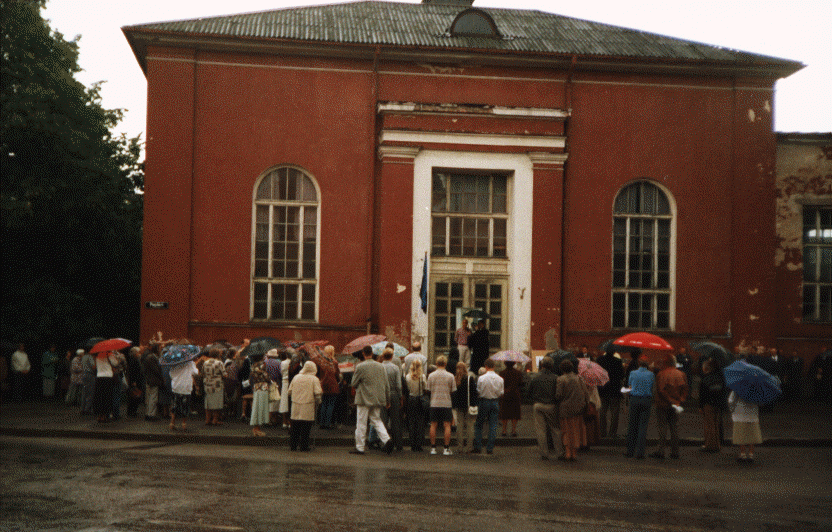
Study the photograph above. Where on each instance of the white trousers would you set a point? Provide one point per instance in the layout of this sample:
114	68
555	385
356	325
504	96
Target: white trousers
464	354
373	413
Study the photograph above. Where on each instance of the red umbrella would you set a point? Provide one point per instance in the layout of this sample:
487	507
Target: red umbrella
113	344
592	373
359	343
643	340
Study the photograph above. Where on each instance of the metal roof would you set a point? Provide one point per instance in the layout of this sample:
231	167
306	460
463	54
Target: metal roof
427	25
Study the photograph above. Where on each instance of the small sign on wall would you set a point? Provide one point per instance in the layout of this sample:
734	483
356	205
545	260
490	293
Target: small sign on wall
160	305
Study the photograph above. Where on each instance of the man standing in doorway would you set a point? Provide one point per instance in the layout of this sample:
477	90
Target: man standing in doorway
479	345
372	393
461	339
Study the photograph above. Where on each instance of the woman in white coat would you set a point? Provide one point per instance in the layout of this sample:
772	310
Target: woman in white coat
306	393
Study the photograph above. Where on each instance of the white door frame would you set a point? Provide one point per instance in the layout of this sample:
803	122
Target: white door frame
519	167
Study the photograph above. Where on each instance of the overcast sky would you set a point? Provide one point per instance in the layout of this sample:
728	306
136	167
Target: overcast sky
790	29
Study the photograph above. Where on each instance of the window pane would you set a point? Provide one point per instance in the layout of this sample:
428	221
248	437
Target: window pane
496	291
261	250
261	268
441	289
264	191
499	204
495	308
441	305
440	193
809	299
500	239
810	264
309	192
648	199
455	244
663	302
438	236
825	270
440	322
292	185
278	269
456	289
469	202
618	301
307	311
825	304
618	312
480	291
440	340
280	184
291	269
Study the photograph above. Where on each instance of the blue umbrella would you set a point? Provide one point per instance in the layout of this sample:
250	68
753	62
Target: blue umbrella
751	383
399	351
177	354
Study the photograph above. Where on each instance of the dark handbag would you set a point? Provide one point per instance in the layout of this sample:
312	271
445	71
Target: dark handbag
590	410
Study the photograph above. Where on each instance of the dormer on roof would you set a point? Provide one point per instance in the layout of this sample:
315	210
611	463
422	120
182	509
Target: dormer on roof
474	22
449	2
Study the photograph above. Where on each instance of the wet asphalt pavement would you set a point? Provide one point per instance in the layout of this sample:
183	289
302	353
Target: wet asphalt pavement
65	484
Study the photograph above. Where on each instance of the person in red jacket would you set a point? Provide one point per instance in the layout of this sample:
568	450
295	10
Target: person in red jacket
671	392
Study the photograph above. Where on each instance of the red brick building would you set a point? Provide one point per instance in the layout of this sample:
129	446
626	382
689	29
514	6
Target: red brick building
572	179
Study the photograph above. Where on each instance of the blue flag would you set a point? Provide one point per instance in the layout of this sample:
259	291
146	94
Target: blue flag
423	292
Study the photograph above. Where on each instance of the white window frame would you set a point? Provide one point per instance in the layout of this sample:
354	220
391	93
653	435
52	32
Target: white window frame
447	215
269	280
818	245
671	289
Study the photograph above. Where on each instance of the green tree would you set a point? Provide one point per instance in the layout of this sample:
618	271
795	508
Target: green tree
71	201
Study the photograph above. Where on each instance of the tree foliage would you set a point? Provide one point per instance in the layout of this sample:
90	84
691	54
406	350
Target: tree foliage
71	201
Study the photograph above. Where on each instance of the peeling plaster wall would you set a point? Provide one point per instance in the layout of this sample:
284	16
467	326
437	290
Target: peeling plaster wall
803	177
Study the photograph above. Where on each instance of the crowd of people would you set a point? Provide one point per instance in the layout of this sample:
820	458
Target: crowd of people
291	388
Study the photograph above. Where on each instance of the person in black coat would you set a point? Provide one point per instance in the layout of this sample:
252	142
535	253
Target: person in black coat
479	345
712	403
610	393
135	381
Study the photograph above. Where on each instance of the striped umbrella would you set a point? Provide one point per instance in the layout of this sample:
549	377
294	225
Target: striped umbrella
592	373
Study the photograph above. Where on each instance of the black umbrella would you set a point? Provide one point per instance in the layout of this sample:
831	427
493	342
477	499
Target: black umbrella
707	350
258	347
477	314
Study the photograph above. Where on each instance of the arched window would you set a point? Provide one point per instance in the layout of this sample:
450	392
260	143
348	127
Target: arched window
642	258
285	246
